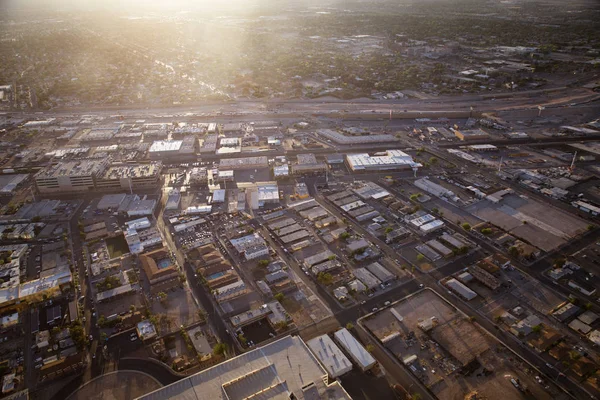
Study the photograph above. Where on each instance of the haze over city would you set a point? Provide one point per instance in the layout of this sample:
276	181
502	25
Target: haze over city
299	199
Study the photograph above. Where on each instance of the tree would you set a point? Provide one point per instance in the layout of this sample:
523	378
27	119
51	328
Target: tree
325	278
466	226
388	229
590	227
78	335
370	348
349	326
514	251
219	349
263	263
162	297
559	262
420	257
279	297
35	219
433	160
537	328
486	231
344	235
574	355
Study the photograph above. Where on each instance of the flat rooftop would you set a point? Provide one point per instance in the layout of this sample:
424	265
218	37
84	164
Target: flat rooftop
72	168
165	145
273	371
132	171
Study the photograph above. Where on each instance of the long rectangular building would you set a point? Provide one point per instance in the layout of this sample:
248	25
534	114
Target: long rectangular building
70	176
355	349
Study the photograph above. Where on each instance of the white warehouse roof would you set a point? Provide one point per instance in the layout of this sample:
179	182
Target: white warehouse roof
330	355
357	351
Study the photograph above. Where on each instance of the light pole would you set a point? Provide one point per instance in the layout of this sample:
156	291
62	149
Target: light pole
540	108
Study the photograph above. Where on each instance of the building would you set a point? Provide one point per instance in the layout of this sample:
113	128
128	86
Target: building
381	272
389	160
130	176
471	135
340	138
170	149
461	289
158	266
355	349
252	246
261	195
301	191
366	277
433	188
198	176
308	164
283	369
281	171
243	163
70	176
331	357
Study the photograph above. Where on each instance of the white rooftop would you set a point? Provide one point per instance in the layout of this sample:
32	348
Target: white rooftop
273	371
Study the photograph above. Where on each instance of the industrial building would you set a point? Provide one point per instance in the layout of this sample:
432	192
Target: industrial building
355	349
433	188
243	163
340	138
331	357
130	176
461	289
388	160
469	135
285	368
308	164
261	195
70	176
165	149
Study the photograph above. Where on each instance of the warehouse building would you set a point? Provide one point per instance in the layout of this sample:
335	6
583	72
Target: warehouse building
389	160
243	163
70	176
285	368
355	349
308	164
331	357
130	177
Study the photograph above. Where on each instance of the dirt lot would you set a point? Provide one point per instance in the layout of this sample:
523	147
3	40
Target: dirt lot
179	308
455	357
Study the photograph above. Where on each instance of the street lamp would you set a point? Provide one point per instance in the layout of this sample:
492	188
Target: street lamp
540	108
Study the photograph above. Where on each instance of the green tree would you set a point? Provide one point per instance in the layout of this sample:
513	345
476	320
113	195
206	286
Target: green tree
219	349
162	297
537	328
466	226
344	235
420	257
370	348
36	219
263	263
388	229
514	251
486	231
349	326
279	297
